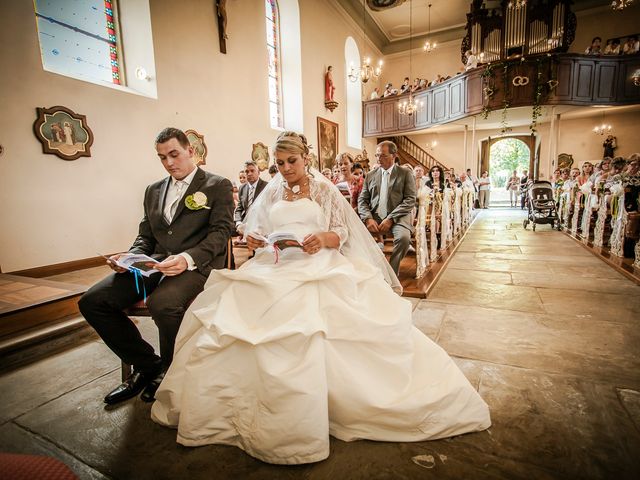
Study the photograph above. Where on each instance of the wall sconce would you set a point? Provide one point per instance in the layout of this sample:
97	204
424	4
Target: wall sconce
636	78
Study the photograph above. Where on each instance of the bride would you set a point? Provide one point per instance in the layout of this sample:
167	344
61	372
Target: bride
302	343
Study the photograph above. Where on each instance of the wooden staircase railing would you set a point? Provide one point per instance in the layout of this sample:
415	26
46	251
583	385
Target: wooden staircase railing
413	153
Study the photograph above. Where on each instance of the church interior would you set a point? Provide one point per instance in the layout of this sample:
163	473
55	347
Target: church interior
538	306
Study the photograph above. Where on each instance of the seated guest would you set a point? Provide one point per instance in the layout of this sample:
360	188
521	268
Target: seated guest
605	170
406	86
357	181
248	193
436	179
452	180
327	173
596	172
418	172
242	177
344	162
387	200
612	47
594	48
423	83
273	170
336	177
189	238
472	61
631	46
633	165
416	85
618	165
375	94
236	198
587	170
389	90
466	181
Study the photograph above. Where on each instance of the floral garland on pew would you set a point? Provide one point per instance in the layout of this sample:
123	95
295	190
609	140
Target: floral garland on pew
619	219
422	251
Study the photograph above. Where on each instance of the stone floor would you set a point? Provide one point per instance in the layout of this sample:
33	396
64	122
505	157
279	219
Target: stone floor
545	331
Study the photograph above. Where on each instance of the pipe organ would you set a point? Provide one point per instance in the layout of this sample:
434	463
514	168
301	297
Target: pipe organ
510	30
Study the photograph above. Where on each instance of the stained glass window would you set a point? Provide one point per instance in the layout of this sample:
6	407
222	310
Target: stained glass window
79	38
273	51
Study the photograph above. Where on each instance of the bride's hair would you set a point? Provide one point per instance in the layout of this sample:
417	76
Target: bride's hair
292	142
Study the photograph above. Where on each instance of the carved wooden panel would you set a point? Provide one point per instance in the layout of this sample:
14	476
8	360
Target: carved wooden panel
372	118
440	101
389	116
605	82
456	98
474	92
406	122
565	81
423	119
584	74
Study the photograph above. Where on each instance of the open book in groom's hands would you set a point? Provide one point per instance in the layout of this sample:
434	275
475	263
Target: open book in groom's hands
281	241
135	261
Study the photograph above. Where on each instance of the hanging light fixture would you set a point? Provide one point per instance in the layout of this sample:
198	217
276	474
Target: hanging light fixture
517	4
428	45
366	71
636	78
410	107
603	128
620	4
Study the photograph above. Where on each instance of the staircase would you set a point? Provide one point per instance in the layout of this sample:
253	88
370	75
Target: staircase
413	154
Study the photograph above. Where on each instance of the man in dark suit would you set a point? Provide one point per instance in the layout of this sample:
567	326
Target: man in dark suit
388	196
249	191
189	238
523	184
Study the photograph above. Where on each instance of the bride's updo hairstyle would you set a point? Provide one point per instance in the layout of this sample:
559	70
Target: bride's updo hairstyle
292	142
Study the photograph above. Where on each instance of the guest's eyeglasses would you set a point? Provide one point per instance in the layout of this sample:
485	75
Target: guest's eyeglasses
383	155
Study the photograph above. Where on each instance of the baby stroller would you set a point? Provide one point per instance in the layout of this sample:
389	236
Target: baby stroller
541	206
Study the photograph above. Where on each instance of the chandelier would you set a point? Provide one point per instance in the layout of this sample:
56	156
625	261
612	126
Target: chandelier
636	78
412	106
366	71
429	46
602	129
620	4
517	4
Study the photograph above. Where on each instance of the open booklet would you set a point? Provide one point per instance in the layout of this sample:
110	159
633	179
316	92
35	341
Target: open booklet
279	240
136	261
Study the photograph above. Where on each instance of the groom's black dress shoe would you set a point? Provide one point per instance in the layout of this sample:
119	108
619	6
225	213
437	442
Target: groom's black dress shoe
149	392
131	387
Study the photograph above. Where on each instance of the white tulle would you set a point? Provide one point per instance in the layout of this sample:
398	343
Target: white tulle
276	356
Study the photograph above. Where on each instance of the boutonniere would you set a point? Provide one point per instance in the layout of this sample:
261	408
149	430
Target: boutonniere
196	201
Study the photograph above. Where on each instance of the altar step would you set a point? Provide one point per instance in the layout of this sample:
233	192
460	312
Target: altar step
38	313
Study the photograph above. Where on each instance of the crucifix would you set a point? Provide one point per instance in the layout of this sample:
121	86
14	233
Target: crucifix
221	12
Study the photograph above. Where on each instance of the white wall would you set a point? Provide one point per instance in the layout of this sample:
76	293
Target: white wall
54	210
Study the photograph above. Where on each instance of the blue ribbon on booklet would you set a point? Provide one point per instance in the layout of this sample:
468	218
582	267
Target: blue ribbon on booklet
140	265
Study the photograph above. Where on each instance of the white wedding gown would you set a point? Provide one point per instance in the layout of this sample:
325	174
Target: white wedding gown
275	357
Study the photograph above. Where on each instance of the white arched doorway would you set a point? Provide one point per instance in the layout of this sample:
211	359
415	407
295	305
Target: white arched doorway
354	96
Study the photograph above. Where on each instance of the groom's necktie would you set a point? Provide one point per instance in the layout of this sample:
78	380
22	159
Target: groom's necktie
384	195
252	193
178	191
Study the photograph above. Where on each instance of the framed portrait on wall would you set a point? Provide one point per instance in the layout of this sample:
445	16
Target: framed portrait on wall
63	133
327	143
199	147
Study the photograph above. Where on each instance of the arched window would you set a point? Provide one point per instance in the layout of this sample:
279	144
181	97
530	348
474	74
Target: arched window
273	49
354	93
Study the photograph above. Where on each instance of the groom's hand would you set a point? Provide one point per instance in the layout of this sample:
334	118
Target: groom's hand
172	265
111	261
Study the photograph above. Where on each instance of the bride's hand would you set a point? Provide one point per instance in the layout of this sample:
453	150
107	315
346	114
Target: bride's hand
312	243
254	243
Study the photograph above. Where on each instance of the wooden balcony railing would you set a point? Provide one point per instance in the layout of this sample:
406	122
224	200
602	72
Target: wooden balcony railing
559	79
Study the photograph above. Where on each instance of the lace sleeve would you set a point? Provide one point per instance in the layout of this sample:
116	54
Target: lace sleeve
333	204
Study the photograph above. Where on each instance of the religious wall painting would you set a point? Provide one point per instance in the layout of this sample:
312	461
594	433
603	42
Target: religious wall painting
196	140
327	142
565	160
63	132
260	155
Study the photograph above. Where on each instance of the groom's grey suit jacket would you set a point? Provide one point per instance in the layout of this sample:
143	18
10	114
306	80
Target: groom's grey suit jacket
203	233
401	195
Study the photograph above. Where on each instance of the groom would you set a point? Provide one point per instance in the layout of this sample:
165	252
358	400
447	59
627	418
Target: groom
189	238
387	199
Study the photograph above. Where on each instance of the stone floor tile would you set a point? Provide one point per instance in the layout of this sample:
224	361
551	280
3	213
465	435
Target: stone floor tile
541	342
428	318
598	270
631	401
472	247
574	282
607	306
32	385
507	297
558	259
567	250
465	276
573	427
15	439
498	265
